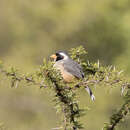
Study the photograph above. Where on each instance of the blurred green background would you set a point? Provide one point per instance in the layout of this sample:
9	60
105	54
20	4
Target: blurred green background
31	30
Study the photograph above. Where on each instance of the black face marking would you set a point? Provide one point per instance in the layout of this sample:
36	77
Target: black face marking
59	57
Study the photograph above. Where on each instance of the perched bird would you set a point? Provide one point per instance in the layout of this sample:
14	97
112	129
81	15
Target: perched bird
69	69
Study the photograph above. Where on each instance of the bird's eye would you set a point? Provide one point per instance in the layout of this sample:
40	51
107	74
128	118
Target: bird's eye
57	54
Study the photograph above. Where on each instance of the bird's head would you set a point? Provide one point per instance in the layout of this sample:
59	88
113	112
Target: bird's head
60	55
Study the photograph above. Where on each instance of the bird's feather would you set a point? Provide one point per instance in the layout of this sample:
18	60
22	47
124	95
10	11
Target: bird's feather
74	68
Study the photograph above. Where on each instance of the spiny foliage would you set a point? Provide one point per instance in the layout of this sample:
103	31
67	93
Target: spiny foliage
65	94
121	114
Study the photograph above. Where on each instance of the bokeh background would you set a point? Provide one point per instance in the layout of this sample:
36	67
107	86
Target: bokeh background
33	29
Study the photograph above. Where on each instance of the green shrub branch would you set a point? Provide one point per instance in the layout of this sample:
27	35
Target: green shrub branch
65	94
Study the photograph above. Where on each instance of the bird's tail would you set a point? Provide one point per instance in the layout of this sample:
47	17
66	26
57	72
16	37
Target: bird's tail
90	93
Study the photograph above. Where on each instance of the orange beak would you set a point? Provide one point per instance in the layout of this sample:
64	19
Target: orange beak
53	56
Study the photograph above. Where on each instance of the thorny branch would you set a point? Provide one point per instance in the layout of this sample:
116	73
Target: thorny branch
17	78
120	115
65	95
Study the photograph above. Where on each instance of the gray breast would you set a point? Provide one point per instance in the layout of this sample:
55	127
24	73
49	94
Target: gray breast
67	76
69	66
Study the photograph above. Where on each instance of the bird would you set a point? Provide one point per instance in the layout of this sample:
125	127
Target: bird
69	69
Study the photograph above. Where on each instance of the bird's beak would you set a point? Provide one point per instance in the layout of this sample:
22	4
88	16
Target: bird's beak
53	56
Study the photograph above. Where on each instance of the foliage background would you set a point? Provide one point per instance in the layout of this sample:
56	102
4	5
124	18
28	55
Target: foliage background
31	30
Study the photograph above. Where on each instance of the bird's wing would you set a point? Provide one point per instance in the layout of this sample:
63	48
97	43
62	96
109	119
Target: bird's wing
74	68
